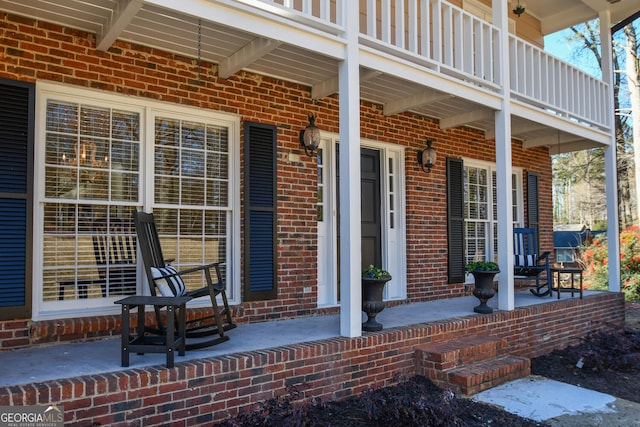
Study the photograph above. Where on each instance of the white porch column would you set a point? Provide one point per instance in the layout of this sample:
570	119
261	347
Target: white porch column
504	168
350	249
610	159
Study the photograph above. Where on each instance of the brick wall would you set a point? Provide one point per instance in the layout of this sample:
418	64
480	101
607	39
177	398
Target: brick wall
199	392
40	51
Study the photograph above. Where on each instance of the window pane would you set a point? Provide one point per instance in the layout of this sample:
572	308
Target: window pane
95	121
88	165
481	212
89	251
125	126
62	117
320	203
514	200
191	173
91	159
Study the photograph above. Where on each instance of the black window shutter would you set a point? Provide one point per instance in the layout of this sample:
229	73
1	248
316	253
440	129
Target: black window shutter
260	213
455	220
16	193
533	220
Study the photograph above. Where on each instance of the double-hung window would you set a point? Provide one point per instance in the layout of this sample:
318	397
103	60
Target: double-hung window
102	156
481	209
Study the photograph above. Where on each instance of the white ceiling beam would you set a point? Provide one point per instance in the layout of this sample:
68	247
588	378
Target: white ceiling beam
119	20
330	86
325	88
247	55
577	145
552	140
405	104
516	129
464	118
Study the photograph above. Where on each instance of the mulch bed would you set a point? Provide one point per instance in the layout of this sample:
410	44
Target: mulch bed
416	402
607	362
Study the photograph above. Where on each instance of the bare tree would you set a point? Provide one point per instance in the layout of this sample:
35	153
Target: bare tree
589	208
633	79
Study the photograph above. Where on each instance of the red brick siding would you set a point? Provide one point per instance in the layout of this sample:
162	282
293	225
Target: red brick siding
201	391
39	51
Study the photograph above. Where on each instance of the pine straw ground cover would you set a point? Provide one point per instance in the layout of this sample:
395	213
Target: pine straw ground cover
609	362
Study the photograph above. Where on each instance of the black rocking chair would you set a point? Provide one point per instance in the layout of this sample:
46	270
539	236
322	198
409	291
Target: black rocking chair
164	279
114	247
529	264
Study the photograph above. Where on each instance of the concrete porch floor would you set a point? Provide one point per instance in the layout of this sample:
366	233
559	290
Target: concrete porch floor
40	364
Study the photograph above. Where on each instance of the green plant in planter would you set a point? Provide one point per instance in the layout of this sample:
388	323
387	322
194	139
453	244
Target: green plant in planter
483	274
372	272
373	281
482	266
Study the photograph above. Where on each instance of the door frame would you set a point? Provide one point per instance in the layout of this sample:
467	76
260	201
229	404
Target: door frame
393	235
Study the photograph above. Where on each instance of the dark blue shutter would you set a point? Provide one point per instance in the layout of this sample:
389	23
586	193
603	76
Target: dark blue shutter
16	172
260	211
533	215
455	220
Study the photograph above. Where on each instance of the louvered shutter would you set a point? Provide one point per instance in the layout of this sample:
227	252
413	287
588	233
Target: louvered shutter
260	211
533	220
16	172
455	220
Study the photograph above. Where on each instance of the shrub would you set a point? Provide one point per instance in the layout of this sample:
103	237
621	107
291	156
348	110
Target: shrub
372	272
595	258
482	266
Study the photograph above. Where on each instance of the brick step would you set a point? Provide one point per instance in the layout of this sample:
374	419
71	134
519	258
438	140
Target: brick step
450	354
482	375
468	365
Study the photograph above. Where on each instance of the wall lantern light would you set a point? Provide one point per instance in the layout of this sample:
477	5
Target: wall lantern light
310	137
519	10
427	157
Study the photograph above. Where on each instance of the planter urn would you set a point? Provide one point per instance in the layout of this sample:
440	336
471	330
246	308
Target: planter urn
484	289
372	303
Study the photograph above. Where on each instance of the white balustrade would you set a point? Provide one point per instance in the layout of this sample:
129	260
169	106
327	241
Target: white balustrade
542	79
455	42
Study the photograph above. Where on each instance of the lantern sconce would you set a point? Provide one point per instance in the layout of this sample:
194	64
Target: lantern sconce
427	157
310	137
519	10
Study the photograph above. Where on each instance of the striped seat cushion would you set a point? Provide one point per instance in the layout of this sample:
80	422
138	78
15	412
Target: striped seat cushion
172	286
525	261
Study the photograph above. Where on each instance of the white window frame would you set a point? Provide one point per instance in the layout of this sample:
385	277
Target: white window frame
565	255
148	109
518	199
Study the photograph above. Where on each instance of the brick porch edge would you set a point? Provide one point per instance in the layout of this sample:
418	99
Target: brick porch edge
204	391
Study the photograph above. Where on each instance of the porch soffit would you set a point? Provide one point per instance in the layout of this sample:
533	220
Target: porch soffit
536	128
151	24
396	83
554	18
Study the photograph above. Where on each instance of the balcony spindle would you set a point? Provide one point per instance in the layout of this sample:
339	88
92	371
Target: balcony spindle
400	26
372	18
386	21
425	29
413	26
437	31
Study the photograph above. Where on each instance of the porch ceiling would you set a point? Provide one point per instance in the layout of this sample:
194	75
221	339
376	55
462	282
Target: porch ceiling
233	49
554	17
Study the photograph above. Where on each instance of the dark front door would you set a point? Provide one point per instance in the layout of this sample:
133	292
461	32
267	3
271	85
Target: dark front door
370	208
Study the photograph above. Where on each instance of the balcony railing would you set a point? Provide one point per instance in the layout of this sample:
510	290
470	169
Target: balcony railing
453	40
449	40
542	79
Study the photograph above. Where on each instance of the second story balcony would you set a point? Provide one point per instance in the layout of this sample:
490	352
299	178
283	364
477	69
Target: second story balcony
431	57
